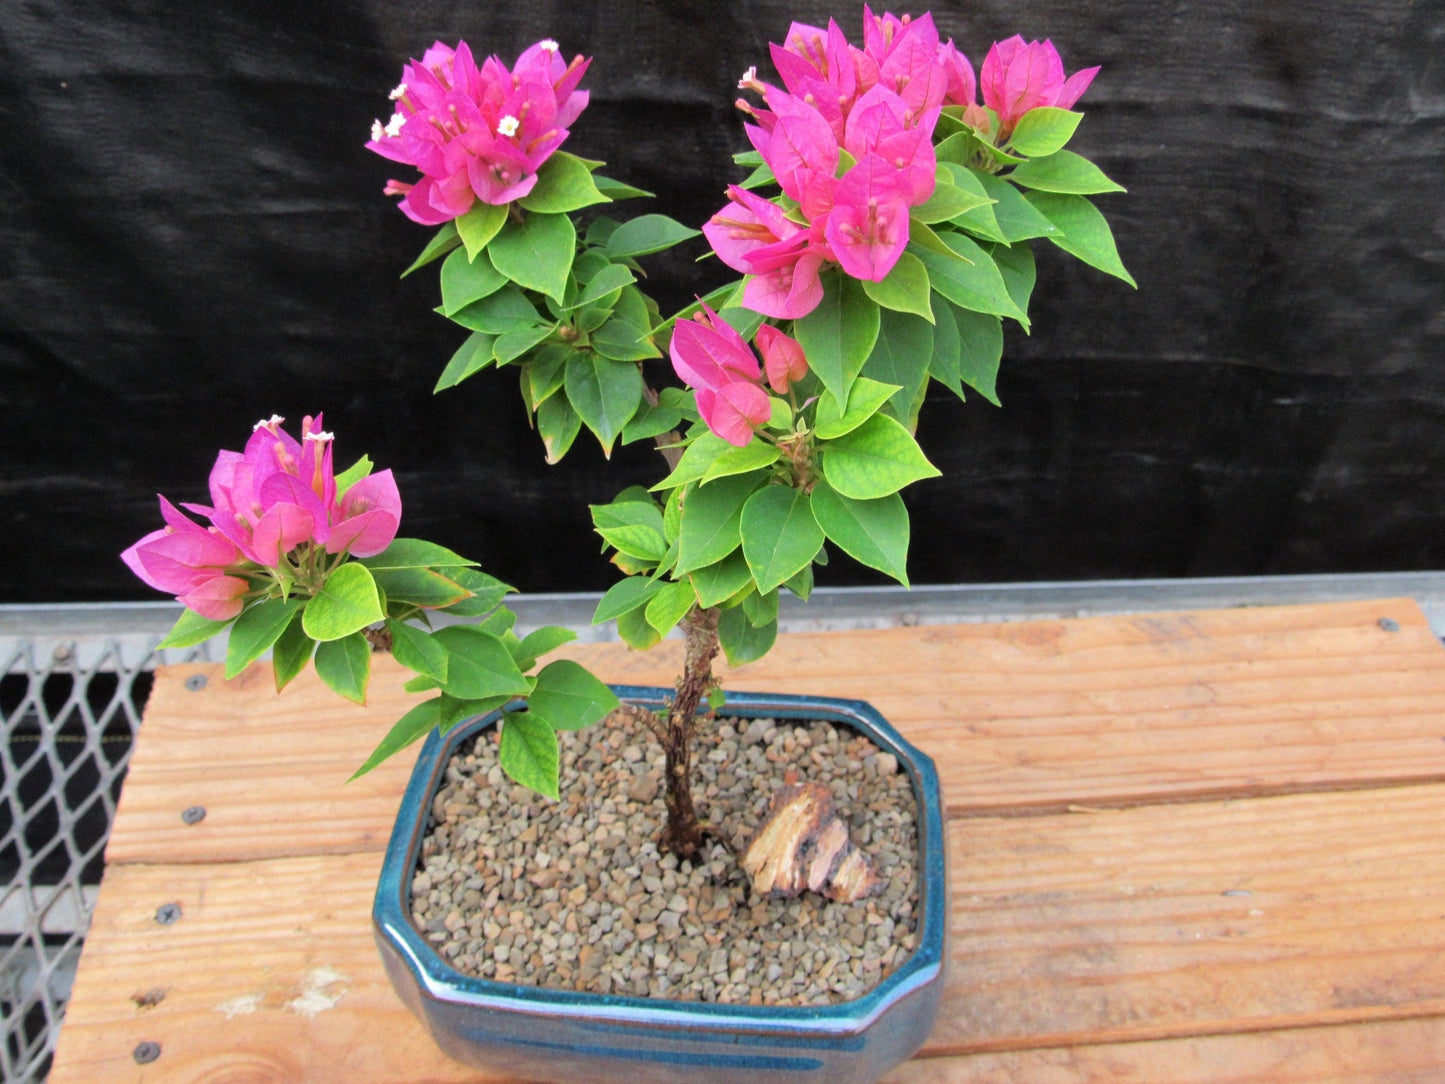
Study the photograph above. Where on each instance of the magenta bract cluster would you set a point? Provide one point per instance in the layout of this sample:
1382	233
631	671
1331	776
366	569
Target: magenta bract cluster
477	133
725	376
277	495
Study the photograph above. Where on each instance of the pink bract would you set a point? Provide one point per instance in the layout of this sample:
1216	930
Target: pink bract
712	358
1018	76
477	133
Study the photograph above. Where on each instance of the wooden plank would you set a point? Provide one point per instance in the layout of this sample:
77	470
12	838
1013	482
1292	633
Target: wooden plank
1396	1051
1175	920
1031	717
1073	930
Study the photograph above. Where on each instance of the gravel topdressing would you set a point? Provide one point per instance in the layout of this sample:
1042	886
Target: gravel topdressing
574	894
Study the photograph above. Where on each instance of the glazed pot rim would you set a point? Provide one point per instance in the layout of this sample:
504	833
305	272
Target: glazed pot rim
439	980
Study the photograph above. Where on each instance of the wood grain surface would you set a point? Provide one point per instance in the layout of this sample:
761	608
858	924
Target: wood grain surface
1183	848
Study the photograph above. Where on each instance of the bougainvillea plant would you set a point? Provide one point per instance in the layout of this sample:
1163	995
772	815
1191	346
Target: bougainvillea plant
305	563
882	237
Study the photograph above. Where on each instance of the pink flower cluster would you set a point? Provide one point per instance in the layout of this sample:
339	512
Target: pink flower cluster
477	133
724	373
276	495
879	104
1017	77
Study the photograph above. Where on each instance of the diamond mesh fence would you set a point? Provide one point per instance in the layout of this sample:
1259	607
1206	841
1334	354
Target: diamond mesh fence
71	709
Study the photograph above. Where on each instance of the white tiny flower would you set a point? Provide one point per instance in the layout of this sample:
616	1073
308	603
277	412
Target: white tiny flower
393	126
397	93
508	126
268	423
320	437
547	45
749	78
377	131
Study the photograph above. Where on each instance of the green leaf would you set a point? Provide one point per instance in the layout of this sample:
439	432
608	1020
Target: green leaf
346	603
415	553
1044	130
478	664
1064	172
779	534
465	281
652	421
741	641
711	520
971	279
754	455
445	240
943	364
609	280
980	339
1016	264
874	532
719	582
636	633
1014	216
499	623
906	289
900	357
878	458
474	355
500	312
258	627
697	457
514	344
542	374
546	639
839	334
646	234
948	199
479	225
191	629
761	610
558	426
864	400
616	190
624	597
352	474
802	584
487	592
626	335
569	697
670	605
418	650
536	253
291	652
982	218
631	527
528	753
411	726
345	665
422	587
604	393
1084	233
564	183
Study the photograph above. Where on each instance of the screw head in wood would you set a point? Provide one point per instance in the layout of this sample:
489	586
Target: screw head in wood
168	913
196	682
146	1052
193	814
1389	624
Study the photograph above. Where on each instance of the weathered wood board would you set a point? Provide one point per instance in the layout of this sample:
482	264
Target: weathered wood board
1029	717
1183	849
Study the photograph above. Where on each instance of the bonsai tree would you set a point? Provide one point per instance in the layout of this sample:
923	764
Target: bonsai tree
881	228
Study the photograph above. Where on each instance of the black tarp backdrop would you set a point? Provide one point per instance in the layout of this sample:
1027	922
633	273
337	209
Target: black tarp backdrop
194	237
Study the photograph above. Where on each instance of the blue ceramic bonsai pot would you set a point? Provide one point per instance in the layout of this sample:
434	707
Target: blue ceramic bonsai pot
565	1035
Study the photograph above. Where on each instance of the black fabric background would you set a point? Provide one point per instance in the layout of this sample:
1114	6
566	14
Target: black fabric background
193	237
